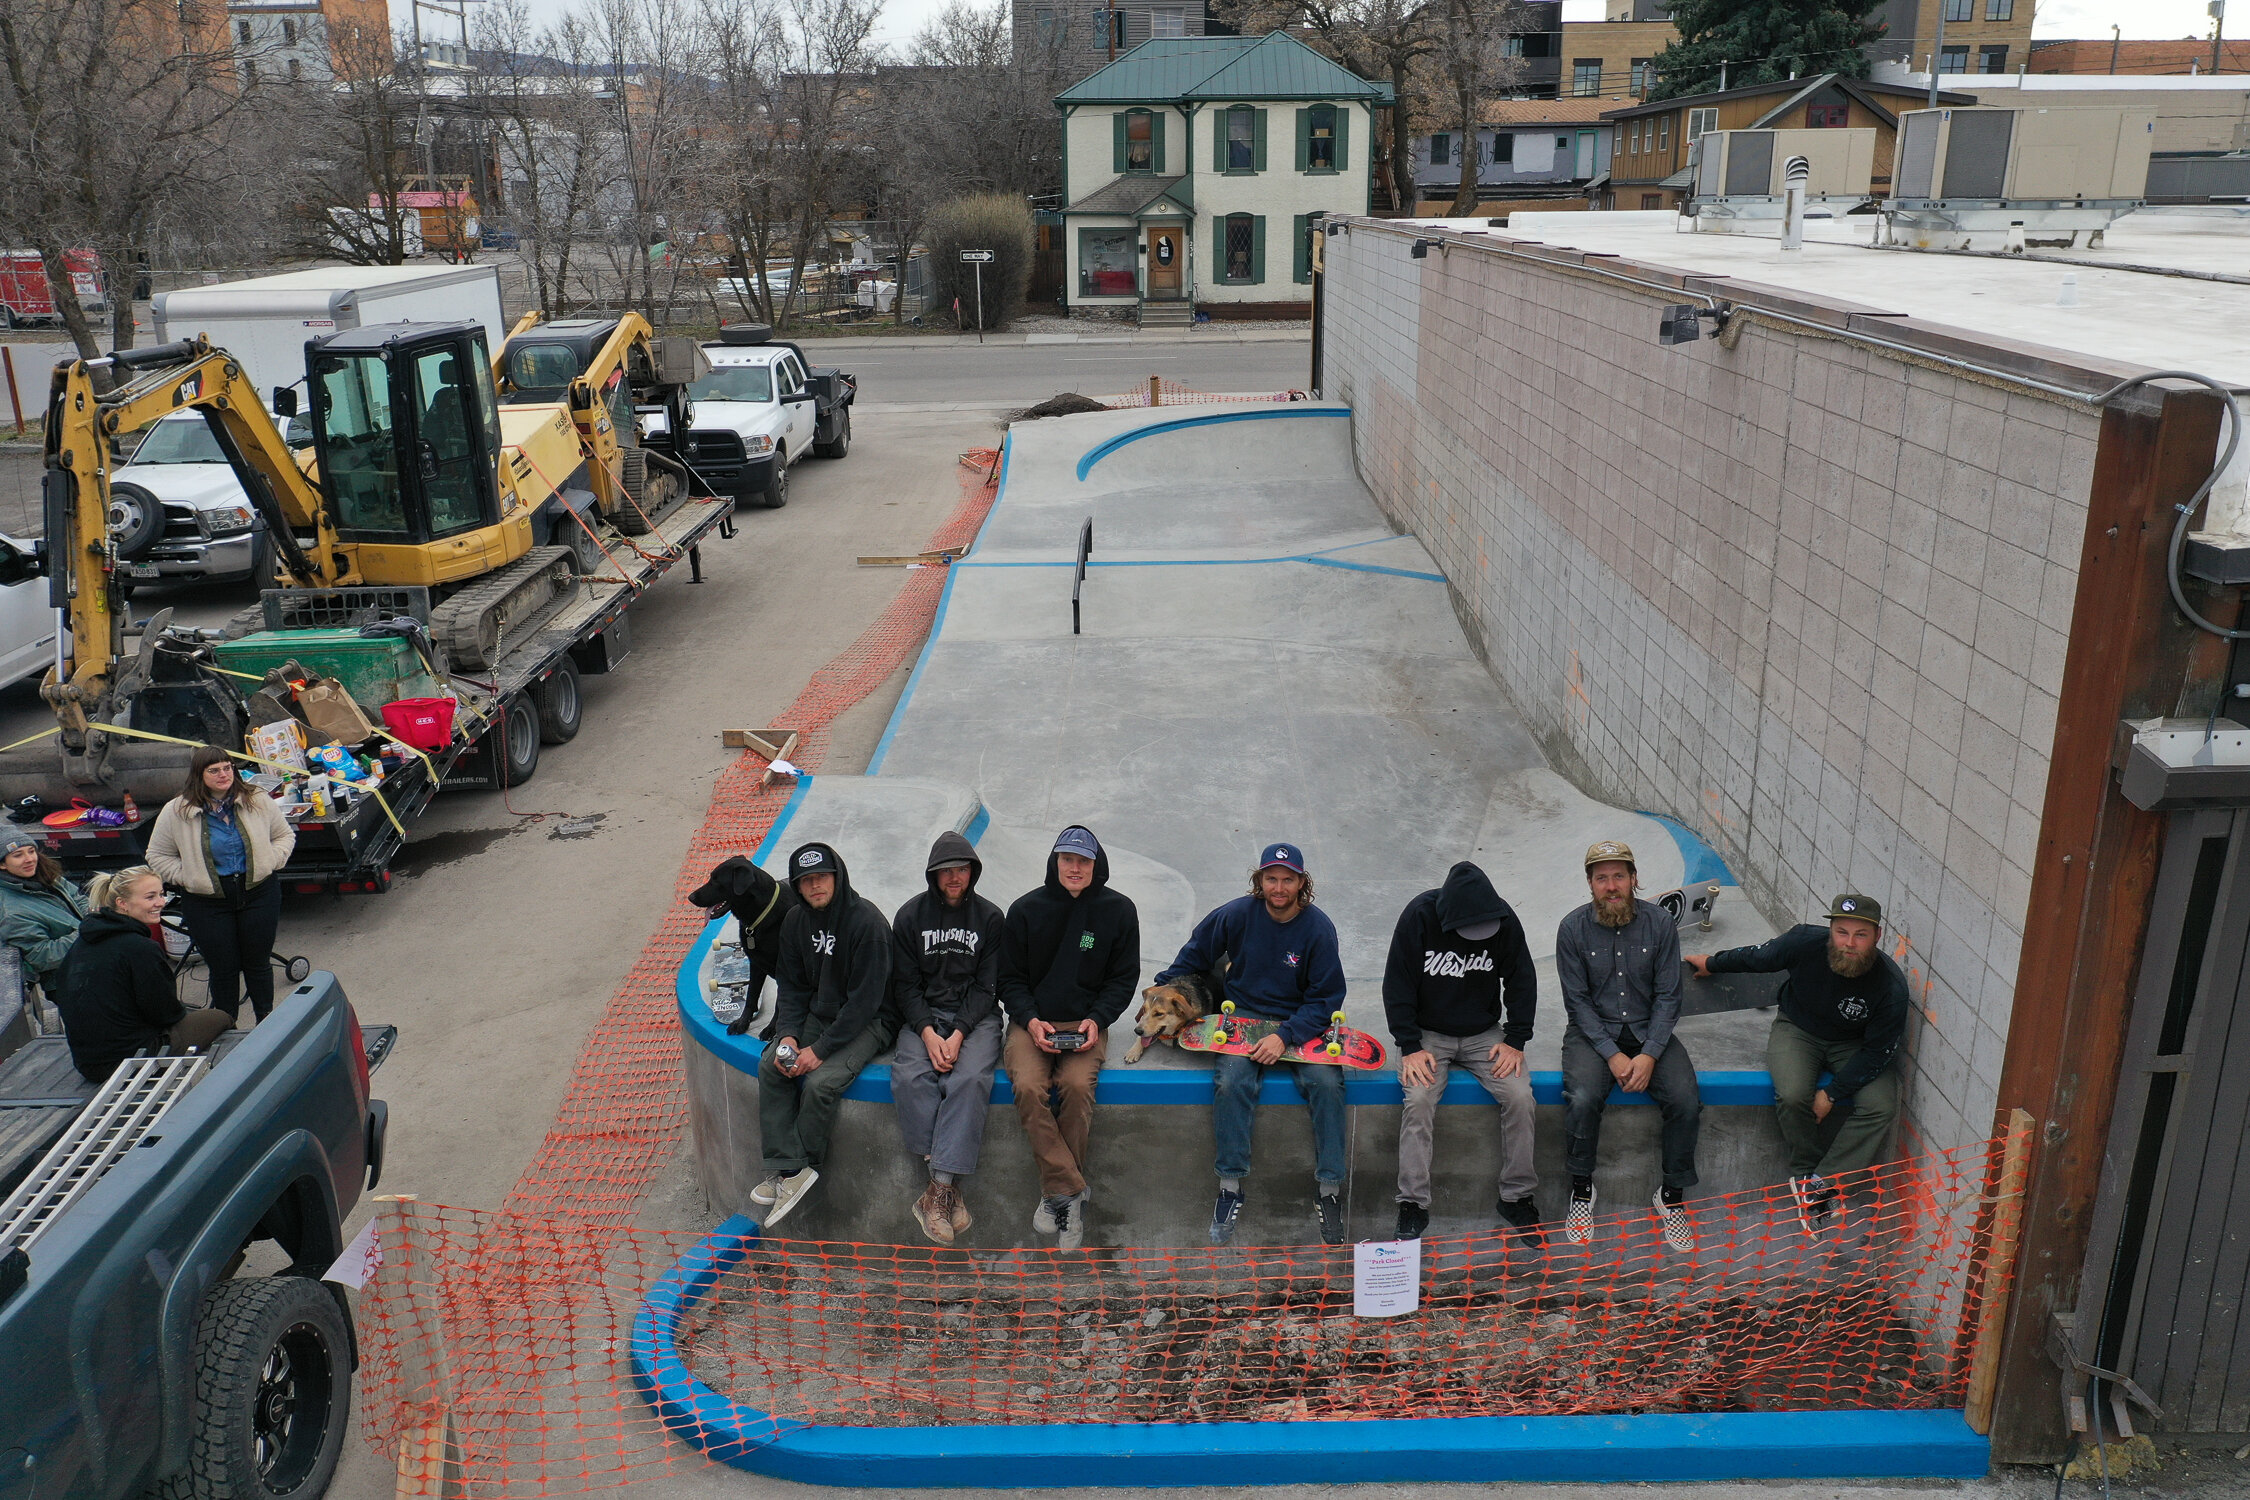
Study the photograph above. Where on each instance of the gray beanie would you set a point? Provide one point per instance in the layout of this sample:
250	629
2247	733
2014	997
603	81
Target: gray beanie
17	838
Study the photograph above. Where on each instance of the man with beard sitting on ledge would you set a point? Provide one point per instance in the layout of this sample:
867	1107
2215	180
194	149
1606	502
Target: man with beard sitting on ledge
1843	1011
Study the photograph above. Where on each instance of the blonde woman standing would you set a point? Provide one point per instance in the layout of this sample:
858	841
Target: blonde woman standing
116	991
221	842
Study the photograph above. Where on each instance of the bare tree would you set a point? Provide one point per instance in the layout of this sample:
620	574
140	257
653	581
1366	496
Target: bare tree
116	116
1471	58
743	170
555	136
825	104
655	57
353	149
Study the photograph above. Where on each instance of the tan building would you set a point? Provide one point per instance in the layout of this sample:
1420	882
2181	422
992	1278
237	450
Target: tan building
2159	59
1612	59
1981	36
1648	156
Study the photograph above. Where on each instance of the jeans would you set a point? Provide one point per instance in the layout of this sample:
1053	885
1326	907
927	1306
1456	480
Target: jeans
1235	1082
235	936
1417	1122
1796	1059
1058	1131
941	1115
1586	1085
796	1114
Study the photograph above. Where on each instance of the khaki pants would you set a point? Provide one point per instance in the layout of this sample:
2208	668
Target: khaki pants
198	1029
1417	1122
1058	1132
1796	1059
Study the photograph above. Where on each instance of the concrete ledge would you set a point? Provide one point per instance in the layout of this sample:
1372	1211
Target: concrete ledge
1719	1446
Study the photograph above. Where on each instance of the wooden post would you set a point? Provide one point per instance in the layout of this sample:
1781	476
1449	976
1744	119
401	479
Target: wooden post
8	358
1155	393
1999	1269
429	1452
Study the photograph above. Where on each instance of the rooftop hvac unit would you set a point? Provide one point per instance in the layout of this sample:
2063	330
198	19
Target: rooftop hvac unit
1739	175
1979	178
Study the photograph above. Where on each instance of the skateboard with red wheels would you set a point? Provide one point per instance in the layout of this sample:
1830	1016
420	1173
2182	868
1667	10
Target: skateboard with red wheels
1339	1045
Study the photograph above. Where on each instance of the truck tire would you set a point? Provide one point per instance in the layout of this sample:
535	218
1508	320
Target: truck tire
776	493
519	740
841	444
272	1391
562	708
136	520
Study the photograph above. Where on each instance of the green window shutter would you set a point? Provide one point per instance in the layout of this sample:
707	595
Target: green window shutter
1117	143
1344	137
1304	139
1302	270
1258	249
1221	123
1156	142
1218	261
1258	151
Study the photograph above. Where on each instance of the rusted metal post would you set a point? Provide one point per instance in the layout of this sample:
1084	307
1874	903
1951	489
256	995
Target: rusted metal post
1155	394
8	358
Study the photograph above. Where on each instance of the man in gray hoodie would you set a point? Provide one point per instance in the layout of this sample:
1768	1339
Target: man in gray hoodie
945	969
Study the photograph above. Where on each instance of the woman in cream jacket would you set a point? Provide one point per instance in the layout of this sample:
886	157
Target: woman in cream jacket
221	842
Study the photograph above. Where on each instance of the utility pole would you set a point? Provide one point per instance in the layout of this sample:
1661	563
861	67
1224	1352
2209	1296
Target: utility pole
2218	10
1937	53
2116	35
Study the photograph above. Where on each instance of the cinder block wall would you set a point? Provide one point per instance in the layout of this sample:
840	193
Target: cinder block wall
1810	598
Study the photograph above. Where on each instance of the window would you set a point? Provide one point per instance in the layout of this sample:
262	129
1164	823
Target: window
1999	10
242	32
1512	47
1700	120
1044	20
1109	29
1652	200
358	452
296	70
1954	60
1503	148
1240	240
1958	10
1586	76
1663	132
733	383
1167	20
1633	136
1106	265
1303	238
289	33
1441	149
1643	75
1320	147
1140	141
448	444
1242	139
1992	59
1541	44
1827	116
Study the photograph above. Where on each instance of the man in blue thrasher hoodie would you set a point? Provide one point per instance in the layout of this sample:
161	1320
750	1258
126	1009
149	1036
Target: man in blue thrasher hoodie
1283	965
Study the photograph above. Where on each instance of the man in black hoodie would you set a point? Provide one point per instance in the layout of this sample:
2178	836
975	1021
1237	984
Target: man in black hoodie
945	976
1070	957
1460	988
832	1017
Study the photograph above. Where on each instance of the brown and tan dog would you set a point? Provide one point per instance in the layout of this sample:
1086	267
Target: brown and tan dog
1169	1009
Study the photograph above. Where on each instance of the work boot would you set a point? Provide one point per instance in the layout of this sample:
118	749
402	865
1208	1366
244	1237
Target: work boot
1520	1216
1413	1218
933	1213
957	1210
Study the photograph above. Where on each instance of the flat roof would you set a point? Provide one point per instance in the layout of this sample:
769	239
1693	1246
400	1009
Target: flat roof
2149	296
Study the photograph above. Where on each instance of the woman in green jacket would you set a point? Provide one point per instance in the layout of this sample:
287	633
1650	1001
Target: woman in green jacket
39	908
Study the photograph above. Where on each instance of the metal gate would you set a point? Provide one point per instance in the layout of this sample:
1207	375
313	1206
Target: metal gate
2168	1262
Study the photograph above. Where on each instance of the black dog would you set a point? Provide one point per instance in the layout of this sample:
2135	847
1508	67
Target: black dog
758	902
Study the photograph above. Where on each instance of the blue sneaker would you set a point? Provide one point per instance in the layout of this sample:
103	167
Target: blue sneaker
1223	1215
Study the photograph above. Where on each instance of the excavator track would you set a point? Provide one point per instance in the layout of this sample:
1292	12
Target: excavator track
469	626
652	492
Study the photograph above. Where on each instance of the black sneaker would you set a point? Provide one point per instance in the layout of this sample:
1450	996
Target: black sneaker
1413	1218
1520	1216
1331	1219
1223	1214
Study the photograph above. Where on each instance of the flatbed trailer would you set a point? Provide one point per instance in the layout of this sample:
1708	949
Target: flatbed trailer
351	850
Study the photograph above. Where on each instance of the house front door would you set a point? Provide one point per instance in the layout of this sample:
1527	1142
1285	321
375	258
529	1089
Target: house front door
1167	257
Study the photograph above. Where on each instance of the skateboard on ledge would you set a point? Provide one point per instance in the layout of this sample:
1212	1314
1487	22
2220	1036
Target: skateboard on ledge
1339	1045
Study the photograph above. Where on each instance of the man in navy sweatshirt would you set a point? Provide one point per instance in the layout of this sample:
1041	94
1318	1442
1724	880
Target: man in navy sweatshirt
1843	1012
1460	988
1283	965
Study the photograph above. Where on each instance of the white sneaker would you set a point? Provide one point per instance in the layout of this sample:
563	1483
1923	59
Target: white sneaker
1070	1222
1043	1217
763	1193
1579	1227
790	1192
1679	1233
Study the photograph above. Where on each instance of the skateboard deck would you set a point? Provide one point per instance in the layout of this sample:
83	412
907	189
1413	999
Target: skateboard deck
1339	1045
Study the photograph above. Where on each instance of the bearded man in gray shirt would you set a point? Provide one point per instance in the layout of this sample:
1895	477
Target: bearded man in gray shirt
1618	958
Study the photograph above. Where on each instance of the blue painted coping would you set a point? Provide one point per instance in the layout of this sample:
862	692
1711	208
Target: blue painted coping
1719	1446
1100	451
1703	862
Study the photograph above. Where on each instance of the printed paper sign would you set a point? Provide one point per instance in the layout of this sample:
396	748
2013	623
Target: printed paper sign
1386	1278
360	1260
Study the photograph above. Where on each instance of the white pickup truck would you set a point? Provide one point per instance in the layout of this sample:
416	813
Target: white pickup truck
759	411
179	514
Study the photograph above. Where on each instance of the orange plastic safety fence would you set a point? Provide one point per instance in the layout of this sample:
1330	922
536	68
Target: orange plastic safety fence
1172	393
511	1335
626	1105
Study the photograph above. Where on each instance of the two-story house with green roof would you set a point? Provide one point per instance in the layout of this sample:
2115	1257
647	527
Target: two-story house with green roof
1193	168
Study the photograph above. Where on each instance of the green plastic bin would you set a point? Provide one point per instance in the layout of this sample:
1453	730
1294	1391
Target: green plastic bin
375	669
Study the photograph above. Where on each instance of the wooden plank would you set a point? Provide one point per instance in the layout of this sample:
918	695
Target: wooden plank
2216	1247
773	744
2094	872
1999	1265
939	558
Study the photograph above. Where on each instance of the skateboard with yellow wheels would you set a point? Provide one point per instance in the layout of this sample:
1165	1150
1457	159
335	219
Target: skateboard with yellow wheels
1339	1045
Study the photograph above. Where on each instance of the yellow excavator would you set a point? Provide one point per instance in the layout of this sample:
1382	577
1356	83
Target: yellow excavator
418	477
604	370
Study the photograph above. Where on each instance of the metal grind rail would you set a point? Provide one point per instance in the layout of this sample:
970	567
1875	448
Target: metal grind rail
1078	584
113	1122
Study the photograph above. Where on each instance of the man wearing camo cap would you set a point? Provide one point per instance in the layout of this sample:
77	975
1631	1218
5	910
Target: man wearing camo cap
1618	959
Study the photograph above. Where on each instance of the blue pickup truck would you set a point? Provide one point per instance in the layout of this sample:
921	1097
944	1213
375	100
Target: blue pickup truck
134	1359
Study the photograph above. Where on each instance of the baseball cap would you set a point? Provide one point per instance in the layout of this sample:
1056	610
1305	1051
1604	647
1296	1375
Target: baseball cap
1865	908
1079	841
1607	850
812	859
1288	856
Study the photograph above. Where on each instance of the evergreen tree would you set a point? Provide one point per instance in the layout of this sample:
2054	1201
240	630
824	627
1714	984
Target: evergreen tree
1762	41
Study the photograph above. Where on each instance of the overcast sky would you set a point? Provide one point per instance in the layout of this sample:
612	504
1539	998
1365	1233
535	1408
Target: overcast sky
2056	18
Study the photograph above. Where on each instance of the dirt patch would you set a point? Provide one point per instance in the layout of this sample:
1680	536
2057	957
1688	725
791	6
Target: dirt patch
1068	404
